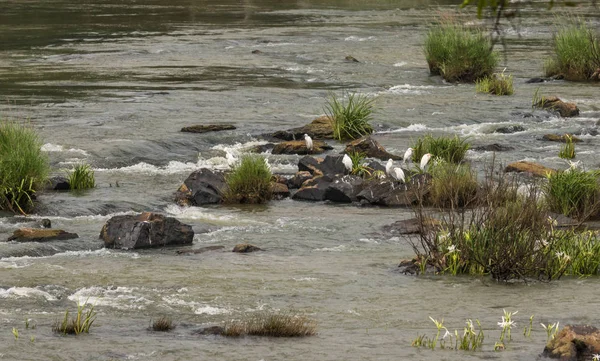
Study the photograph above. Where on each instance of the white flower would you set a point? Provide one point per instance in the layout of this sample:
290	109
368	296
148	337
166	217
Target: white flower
505	323
452	249
446	334
596	357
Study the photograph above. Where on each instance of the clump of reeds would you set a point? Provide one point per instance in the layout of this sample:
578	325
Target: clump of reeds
81	323
458	53
163	324
567	151
249	181
358	165
496	84
576	53
574	193
82	177
273	324
350	117
452	185
450	149
23	166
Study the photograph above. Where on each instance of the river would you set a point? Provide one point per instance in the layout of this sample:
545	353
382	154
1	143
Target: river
111	84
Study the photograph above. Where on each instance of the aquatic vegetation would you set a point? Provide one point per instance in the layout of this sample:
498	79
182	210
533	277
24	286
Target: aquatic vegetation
551	330
450	149
452	185
358	165
272	324
163	324
496	84
23	166
351	117
15	332
458	53
577	53
82	177
527	330
573	192
81	323
567	151
506	324
249	181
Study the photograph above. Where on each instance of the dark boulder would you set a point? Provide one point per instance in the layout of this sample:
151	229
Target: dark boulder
280	191
574	343
299	147
245	248
556	105
509	129
370	148
390	193
262	148
201	187
205	128
313	189
40	235
145	230
493	148
351	59
298	179
58	183
319	128
344	189
330	165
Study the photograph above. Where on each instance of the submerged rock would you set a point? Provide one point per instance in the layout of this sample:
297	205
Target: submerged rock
319	128
351	59
574	343
201	187
562	138
553	103
212	330
200	250
299	147
245	248
40	235
493	148
145	230
510	129
370	148
411	226
205	128
58	183
535	169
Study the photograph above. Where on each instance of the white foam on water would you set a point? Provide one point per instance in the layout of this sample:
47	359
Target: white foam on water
411	128
20	262
123	298
409	89
305	279
368	240
26	292
209	310
400	64
91	218
49	147
356	38
196	213
339	248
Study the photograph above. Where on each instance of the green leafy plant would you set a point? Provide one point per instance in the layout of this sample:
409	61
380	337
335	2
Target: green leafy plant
358	166
23	166
80	324
496	84
452	185
249	181
350	117
450	149
458	53
15	333
577	53
82	177
273	324
567	151
574	193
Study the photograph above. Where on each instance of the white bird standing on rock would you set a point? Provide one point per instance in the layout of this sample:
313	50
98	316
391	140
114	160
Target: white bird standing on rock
388	167
267	164
398	174
347	163
231	160
408	155
308	141
424	160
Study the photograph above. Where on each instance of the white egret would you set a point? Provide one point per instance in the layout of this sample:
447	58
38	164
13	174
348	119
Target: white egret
309	142
267	164
408	155
388	167
398	174
231	160
347	163
424	160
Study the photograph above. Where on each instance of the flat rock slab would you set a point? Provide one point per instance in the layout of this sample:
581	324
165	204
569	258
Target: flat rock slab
561	138
535	169
495	147
573	343
245	248
299	147
40	235
205	128
370	148
320	128
554	104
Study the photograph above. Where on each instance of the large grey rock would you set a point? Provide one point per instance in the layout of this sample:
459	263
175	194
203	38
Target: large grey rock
344	189
313	189
574	343
370	148
201	187
145	230
390	193
330	165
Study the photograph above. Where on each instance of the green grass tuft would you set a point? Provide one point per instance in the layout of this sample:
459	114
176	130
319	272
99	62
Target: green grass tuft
458	53
82	177
249	181
350	118
452	185
81	323
574	193
449	149
272	325
496	84
576	53
567	151
358	164
23	166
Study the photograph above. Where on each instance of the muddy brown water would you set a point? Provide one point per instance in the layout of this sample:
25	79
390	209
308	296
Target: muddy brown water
111	84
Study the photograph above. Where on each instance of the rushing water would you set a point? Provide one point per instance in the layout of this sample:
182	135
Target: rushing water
111	83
